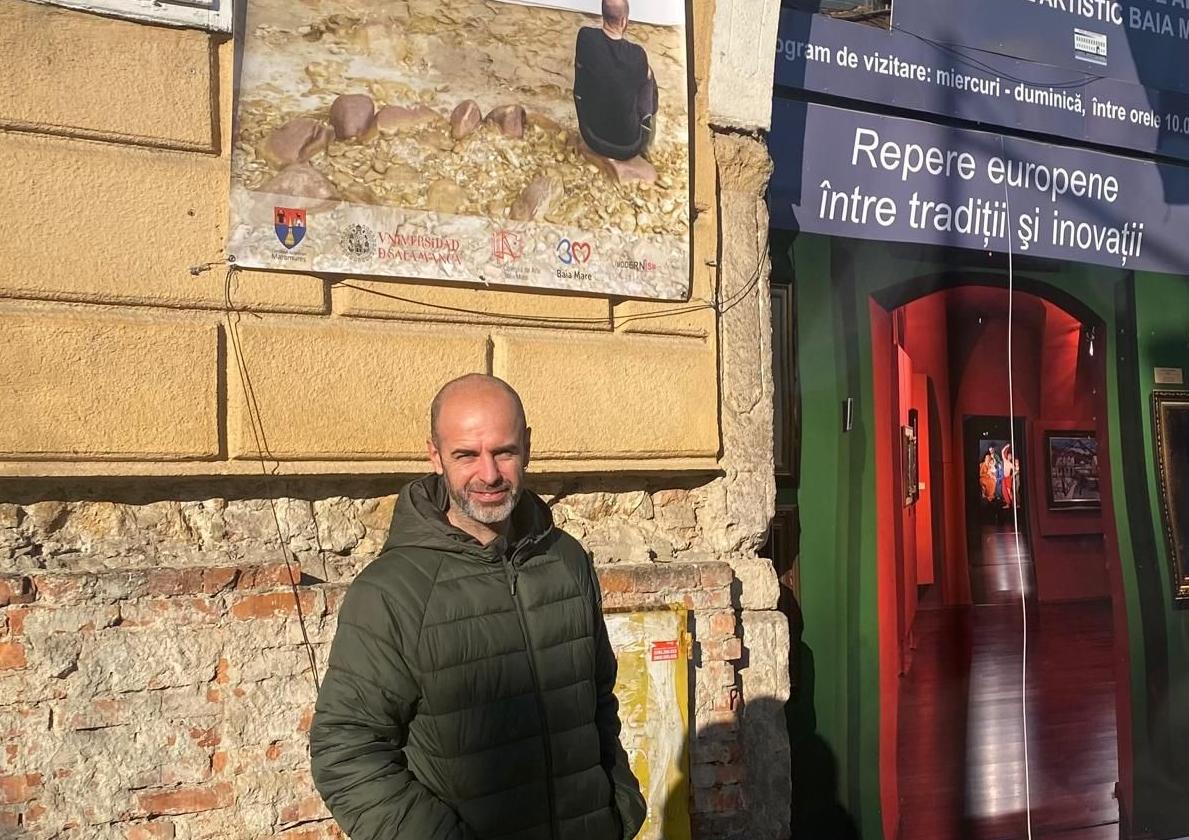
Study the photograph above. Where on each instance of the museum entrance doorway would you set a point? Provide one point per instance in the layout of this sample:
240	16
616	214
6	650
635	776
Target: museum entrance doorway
984	517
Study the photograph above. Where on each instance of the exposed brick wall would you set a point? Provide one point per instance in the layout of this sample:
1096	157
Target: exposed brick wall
150	701
160	702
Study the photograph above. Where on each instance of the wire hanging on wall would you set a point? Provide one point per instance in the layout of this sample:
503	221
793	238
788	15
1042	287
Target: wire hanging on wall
258	433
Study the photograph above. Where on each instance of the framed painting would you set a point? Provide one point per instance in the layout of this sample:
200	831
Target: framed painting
1171	423
910	459
1071	470
784	404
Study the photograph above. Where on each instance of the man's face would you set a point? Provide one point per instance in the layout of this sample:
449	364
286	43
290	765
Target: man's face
481	450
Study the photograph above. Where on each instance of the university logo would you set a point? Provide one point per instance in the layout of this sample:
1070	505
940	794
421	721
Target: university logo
359	241
290	225
570	252
506	246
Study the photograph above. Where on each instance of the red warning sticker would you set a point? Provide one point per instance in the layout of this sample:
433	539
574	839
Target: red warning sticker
664	651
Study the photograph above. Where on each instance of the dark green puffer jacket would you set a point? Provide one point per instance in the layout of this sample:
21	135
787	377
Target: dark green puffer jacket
469	690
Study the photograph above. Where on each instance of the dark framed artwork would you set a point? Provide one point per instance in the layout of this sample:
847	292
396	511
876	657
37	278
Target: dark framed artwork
1170	411
782	549
784	409
1071	470
910	459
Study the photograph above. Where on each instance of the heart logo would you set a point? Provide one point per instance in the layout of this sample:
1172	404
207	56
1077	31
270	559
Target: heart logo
581	251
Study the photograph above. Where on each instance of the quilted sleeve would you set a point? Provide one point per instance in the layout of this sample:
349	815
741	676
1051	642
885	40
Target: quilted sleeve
360	729
629	802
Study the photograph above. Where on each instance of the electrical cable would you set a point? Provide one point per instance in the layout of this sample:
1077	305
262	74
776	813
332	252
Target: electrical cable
978	64
1015	513
534	319
256	420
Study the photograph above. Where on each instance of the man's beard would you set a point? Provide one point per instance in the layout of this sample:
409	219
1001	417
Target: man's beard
485	513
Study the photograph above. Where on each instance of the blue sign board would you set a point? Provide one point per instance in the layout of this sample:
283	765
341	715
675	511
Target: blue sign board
871	176
896	68
1137	41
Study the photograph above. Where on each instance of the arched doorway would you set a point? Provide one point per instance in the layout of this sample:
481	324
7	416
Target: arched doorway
984	527
851	498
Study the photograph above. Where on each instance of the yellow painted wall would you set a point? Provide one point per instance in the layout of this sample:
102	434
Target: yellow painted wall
114	143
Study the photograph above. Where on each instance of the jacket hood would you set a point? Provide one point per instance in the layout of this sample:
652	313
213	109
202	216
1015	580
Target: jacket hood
419	521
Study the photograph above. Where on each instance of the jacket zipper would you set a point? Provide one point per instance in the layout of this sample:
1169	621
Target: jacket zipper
510	573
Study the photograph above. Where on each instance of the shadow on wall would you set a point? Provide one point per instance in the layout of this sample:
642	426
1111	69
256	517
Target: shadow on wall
817	813
675	820
722	811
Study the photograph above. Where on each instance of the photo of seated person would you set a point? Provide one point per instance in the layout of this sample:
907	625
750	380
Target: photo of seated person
615	93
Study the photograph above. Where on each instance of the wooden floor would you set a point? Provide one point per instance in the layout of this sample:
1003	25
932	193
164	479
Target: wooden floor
961	731
994	573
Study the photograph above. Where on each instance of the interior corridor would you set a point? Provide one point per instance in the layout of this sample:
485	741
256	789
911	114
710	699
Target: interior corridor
961	574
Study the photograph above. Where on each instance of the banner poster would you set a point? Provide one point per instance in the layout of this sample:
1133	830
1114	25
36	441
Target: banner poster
652	649
441	140
878	177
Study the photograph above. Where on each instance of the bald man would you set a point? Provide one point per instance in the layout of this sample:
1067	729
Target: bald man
469	693
615	94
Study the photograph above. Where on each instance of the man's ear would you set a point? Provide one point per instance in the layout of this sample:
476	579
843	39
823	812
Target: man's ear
528	444
435	456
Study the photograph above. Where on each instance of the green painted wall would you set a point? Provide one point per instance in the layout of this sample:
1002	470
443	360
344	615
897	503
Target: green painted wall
1161	339
1145	322
838	612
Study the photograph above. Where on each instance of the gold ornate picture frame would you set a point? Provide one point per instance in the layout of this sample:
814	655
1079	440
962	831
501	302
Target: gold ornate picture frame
1170	410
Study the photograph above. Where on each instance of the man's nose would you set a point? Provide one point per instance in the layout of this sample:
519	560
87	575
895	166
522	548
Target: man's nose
489	472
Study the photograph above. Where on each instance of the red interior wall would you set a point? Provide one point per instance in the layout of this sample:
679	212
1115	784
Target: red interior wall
926	340
906	559
1069	545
